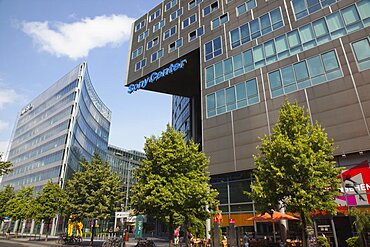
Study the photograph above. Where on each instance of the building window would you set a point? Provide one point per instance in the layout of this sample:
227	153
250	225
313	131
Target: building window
196	33
189	21
194	3
140	25
176	14
155	15
158	26
219	21
175	45
170	32
152	43
141	64
137	52
157	55
248	5
170	4
304	8
351	18
210	8
304	74
305	37
143	35
362	53
213	48
232	98
251	30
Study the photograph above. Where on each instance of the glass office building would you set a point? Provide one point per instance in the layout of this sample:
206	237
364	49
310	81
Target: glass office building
181	115
53	132
237	60
124	162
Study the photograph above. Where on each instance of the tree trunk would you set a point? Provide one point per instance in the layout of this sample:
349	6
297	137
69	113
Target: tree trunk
304	232
363	239
92	233
171	229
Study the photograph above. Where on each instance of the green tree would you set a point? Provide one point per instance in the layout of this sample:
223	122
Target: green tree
48	203
20	207
93	192
362	223
295	167
6	194
5	166
172	182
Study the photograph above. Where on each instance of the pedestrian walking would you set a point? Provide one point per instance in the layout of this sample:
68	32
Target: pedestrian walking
246	240
176	235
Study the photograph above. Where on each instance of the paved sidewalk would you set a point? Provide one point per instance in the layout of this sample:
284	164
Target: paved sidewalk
32	242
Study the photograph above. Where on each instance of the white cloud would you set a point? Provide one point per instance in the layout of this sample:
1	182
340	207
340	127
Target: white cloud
76	40
7	96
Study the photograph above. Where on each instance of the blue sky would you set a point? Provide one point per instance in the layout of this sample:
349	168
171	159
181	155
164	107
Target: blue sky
41	40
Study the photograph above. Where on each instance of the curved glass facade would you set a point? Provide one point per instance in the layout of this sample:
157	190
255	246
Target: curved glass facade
65	123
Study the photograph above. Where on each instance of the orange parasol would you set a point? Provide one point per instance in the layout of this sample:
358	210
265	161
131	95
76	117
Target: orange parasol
275	217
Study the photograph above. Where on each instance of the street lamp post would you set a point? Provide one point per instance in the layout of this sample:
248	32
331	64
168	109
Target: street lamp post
128	183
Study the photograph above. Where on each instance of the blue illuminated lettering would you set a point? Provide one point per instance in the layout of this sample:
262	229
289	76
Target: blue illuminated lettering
155	76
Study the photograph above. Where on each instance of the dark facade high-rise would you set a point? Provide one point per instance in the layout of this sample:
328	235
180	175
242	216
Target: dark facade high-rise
236	61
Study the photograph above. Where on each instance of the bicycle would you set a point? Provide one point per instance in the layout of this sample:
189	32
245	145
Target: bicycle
66	240
113	242
145	243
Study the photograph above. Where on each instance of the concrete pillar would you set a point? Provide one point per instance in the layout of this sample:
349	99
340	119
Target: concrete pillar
23	226
54	226
2	226
15	226
42	228
208	229
32	226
